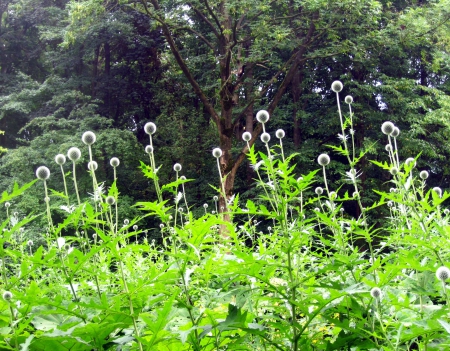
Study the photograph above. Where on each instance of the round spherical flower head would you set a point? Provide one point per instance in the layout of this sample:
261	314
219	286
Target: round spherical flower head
217	152
7	295
387	127
262	116
375	293
135	227
177	167
410	161
423	175
280	133
74	154
348	99
319	190
149	149
323	159
395	132
7	204
88	138
114	162
265	138
182	178
394	171
388	148
205	206
110	200
60	159
215	198
43	173
30	243
446	211
443	273
126	221
150	128
92	165
333	195
337	86
247	136
438	191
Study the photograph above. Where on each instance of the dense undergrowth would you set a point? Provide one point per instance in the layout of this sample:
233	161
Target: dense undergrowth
289	271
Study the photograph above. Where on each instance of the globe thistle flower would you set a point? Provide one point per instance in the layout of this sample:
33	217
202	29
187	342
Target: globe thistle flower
7	295
280	133
126	221
30	242
333	195
262	116
43	173
74	154
110	200
443	273
388	148
337	86
135	227
150	128
88	138
177	167
423	175
246	136
446	211
265	138
323	159
60	159
319	190
7	204
182	178
394	171
215	198
410	161
390	203
149	149
217	152
375	293
395	132
114	162
205	206
60	242
387	127
46	199
92	165
348	99
438	191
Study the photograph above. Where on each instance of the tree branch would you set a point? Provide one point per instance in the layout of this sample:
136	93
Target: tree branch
206	41
173	47
204	18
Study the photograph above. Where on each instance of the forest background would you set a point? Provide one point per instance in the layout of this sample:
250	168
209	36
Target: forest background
201	70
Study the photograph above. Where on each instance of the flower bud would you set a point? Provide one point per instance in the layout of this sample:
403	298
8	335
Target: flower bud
74	154
280	133
88	138
150	128
114	162
43	173
246	136
387	127
217	152
265	137
60	159
337	86
443	273
262	116
323	159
